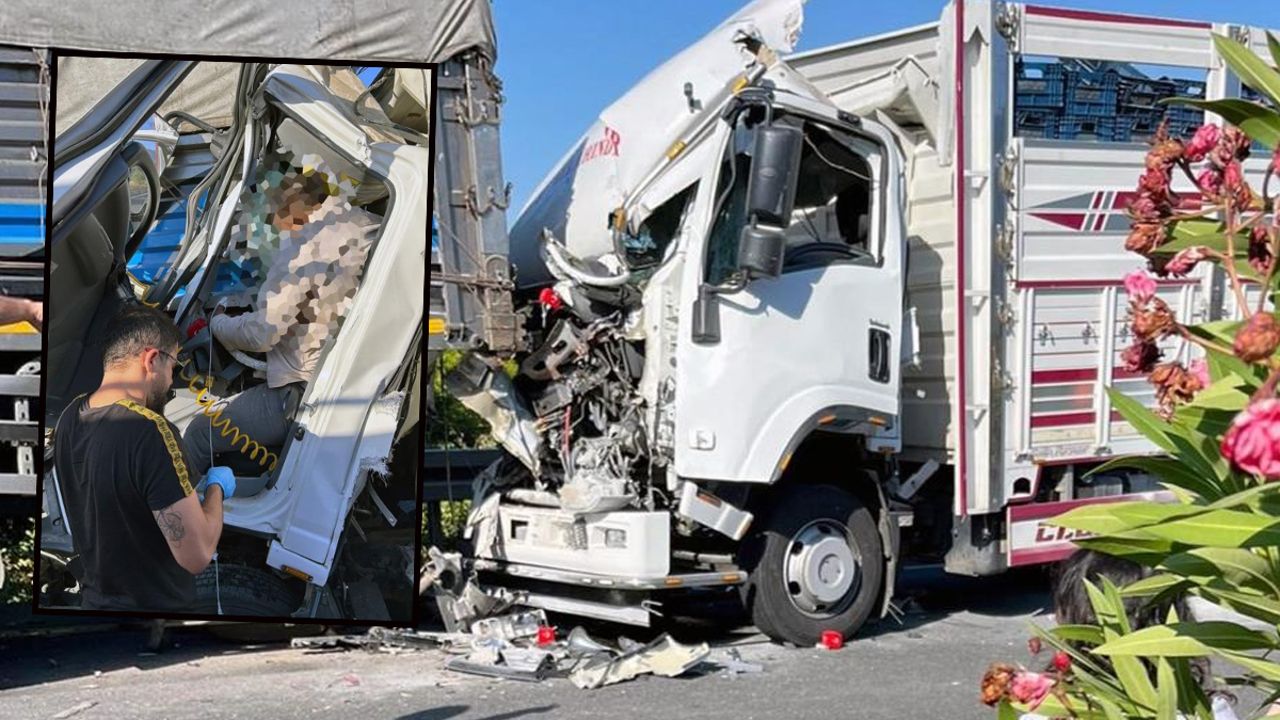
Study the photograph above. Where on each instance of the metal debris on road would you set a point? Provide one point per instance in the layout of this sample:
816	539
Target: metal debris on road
379	639
733	665
495	670
512	626
663	656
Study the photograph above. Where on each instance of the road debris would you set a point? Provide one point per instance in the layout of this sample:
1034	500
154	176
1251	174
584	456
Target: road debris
522	646
663	656
512	626
379	639
733	665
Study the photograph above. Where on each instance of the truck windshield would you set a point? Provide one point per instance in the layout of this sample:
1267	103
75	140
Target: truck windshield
831	221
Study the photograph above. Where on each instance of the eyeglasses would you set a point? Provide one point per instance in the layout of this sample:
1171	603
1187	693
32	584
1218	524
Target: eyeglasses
174	358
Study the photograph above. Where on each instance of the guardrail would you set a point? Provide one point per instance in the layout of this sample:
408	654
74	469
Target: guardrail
447	475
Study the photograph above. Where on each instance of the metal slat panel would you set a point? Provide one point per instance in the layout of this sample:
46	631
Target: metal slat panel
1107	36
22	152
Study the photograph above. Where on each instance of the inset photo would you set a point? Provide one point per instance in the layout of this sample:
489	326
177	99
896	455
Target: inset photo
233	341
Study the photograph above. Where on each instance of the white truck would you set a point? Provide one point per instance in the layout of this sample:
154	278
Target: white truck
783	323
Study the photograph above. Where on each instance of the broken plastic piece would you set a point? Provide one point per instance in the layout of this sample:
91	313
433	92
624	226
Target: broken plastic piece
832	640
497	671
546	634
663	656
512	626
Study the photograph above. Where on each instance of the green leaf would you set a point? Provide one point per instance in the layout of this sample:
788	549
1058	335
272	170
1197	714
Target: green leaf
1190	694
1090	634
1265	668
1255	606
1112	594
1142	419
1257	497
1118	517
1193	238
1229	393
1153	585
1167	469
1167	687
1136	545
1274	46
1249	67
1188	639
1207	422
1235	566
1258	123
1201	455
1006	712
1133	676
1220	528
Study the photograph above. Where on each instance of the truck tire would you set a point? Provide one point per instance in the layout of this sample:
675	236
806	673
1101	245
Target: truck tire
245	591
816	564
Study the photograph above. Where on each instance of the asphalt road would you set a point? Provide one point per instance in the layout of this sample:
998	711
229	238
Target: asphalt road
926	667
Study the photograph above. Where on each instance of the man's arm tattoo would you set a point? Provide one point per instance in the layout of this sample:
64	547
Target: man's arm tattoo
171	525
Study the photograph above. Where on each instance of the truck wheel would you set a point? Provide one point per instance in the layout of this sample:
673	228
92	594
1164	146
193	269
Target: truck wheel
245	591
816	564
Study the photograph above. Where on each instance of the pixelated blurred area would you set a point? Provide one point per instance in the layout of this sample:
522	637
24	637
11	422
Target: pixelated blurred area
308	277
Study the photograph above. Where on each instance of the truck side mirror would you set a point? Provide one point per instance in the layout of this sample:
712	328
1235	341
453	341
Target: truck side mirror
775	172
761	251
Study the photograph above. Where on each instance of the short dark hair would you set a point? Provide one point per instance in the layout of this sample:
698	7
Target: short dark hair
136	328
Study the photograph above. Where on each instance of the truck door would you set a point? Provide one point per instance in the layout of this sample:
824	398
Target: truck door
767	359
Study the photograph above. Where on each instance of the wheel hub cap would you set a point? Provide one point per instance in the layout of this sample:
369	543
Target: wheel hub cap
821	568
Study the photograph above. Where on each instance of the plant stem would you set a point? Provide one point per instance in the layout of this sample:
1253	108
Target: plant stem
1206	344
1230	264
1274	237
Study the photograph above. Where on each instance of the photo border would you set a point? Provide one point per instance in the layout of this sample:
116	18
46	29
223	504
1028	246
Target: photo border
415	616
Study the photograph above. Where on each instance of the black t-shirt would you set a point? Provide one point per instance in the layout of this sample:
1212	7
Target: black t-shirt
117	465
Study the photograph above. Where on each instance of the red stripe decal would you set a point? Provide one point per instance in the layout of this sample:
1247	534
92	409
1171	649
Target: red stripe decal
962	476
1069	419
1040	377
1074	221
1119	282
1047	377
1113	17
1041	555
1102	218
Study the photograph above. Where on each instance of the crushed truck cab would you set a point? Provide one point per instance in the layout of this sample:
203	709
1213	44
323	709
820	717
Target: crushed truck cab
784	322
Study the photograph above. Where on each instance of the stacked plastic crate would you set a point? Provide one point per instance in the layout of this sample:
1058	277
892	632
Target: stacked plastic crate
1069	100
1140	99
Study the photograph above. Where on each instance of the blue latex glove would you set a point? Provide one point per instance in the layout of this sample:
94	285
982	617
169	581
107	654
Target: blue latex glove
222	477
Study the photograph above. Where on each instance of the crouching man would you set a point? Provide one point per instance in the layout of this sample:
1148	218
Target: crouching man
140	529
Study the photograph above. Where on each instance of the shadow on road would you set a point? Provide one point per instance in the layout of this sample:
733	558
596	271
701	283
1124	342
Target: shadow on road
449	711
33	660
929	595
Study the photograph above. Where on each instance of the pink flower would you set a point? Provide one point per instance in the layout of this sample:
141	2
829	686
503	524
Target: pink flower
1234	183
1144	209
1210	182
1061	661
1200	370
1030	688
1205	140
1186	260
1140	286
1252	442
